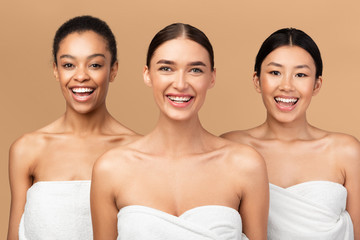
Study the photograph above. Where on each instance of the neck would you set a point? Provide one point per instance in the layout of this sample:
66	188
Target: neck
298	129
178	137
86	124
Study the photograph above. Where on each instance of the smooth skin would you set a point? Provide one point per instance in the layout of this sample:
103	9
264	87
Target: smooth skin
179	165
66	149
286	139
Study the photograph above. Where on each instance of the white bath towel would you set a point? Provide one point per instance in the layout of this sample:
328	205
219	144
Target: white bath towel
57	210
310	210
201	223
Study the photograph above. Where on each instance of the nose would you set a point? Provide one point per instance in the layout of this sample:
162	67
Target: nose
286	83
81	74
180	82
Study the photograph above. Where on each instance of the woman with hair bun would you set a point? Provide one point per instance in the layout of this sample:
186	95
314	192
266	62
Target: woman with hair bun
50	169
314	174
179	181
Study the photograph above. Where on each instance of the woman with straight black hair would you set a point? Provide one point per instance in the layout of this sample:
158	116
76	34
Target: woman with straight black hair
314	174
50	169
179	181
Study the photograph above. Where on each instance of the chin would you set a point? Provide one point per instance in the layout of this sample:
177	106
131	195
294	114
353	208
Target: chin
179	117
83	109
285	119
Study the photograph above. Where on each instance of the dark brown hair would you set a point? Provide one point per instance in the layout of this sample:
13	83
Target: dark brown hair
176	30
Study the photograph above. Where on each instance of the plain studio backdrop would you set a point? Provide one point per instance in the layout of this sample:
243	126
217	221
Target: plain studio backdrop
31	98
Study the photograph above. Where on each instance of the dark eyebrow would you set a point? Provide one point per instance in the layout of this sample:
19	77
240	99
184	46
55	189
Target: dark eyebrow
198	63
96	55
169	62
66	56
163	61
275	64
89	57
303	66
279	65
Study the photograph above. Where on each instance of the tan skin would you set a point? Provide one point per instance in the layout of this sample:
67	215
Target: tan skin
66	149
286	139
179	165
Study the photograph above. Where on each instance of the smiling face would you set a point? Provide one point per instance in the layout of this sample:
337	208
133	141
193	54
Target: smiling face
84	70
287	83
180	75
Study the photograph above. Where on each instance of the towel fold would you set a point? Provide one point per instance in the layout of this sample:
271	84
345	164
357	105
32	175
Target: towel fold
310	210
57	210
209	222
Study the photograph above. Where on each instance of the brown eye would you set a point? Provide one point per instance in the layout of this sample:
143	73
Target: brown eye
68	65
276	73
301	75
95	65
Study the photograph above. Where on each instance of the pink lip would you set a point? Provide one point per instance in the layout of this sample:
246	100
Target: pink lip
285	108
180	104
81	98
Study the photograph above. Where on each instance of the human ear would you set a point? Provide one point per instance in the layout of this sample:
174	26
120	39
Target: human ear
213	77
317	86
256	80
113	71
146	76
55	71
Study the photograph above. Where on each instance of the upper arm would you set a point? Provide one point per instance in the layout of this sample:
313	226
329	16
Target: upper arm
102	198
351	159
20	160
254	205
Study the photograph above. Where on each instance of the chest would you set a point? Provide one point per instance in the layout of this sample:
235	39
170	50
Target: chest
288	164
68	159
177	187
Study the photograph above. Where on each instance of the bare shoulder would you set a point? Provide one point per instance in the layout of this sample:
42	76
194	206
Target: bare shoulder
114	126
244	157
28	147
246	167
116	162
240	136
27	150
345	145
345	149
37	139
111	159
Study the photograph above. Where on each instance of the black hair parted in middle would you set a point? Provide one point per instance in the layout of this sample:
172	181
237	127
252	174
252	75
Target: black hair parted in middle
289	37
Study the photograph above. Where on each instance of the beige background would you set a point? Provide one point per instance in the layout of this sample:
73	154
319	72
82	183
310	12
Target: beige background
30	97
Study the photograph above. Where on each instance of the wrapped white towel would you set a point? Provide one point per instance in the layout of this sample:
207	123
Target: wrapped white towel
201	223
57	210
310	210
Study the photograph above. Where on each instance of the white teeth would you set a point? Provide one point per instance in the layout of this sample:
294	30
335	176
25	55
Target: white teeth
286	100
179	99
82	90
